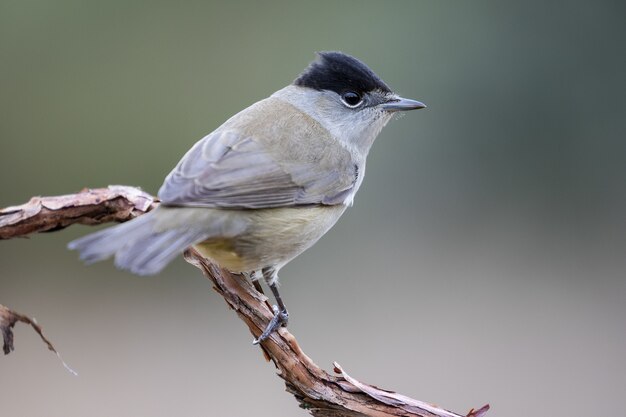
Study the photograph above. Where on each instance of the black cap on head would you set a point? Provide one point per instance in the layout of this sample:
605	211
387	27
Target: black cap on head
338	72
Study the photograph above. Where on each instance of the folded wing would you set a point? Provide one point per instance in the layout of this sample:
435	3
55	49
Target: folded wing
227	169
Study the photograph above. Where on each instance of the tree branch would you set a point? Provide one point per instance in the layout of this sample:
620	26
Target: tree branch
322	394
46	214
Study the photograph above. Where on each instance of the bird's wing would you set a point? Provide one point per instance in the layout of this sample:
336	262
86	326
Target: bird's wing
227	169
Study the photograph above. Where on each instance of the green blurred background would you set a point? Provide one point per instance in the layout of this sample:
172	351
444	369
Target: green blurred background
485	257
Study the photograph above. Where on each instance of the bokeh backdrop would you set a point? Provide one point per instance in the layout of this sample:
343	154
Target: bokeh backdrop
485	257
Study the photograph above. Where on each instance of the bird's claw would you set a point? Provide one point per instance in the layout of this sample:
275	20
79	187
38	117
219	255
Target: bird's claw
280	319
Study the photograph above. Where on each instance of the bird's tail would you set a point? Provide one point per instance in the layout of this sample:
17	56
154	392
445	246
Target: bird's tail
138	245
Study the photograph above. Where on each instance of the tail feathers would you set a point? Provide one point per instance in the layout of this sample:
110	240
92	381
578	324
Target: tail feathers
150	254
105	243
136	246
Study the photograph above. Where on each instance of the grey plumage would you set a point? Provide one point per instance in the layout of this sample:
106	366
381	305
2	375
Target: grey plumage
279	164
232	168
268	183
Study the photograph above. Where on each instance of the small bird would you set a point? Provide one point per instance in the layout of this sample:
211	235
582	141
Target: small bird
265	185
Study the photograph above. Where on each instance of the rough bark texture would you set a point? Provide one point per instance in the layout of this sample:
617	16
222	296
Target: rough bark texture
322	394
116	203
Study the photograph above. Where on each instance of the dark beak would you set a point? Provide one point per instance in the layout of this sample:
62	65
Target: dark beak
402	104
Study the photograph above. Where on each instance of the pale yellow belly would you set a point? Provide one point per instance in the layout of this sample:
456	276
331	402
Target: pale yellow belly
273	237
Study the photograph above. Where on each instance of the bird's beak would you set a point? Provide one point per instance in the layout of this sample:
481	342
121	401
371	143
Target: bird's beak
402	104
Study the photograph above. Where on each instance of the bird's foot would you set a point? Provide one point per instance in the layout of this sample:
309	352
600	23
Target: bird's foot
280	319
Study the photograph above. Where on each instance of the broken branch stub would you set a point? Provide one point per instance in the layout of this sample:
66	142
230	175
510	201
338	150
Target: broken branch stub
8	319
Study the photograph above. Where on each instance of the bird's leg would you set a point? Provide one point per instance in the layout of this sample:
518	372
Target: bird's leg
254	278
281	316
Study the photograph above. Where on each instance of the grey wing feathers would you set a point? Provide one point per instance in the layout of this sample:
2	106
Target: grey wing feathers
226	169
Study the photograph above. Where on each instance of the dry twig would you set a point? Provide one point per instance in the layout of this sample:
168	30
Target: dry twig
8	318
322	394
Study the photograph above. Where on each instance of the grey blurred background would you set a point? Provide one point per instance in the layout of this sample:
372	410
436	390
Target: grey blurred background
485	257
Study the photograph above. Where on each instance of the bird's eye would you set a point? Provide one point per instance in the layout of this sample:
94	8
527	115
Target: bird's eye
351	99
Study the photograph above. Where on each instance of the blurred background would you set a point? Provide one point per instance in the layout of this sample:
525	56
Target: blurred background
484	260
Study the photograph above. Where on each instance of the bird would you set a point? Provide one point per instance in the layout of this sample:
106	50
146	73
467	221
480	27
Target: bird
266	184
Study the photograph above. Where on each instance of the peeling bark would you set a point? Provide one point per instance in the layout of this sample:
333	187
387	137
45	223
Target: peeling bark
116	203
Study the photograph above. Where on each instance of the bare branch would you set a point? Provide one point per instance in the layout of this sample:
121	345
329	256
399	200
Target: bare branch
322	394
8	318
90	206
